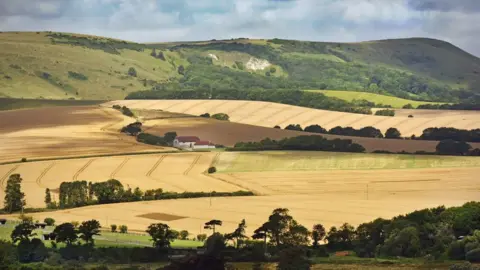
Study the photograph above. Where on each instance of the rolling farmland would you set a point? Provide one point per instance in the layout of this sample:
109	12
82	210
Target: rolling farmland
331	188
65	131
269	114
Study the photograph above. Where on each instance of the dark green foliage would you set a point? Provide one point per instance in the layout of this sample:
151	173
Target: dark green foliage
318	234
451	147
73	194
23	232
309	142
385	112
53	80
109	191
151	139
88	229
161	235
126	111
161	56
239	234
23	160
212	170
315	129
245	92
445	133
14	197
363	132
181	70
221	116
170	137
48	198
65	233
211	225
215	244
341	238
473	255
201	237
473	106
113	228
408	106
132	72
405	243
77	76
8	254
369	236
49	221
31	251
123	229
205	115
393	133
154	53
132	129
191	262
294	127
293	258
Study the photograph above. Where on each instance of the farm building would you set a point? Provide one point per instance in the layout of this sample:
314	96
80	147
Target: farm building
185	141
203	145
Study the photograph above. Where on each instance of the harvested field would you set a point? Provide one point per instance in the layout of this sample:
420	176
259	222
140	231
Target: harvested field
171	172
161	216
330	188
65	131
269	114
229	133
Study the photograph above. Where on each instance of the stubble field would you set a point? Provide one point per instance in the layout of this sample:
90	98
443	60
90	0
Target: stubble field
330	188
269	114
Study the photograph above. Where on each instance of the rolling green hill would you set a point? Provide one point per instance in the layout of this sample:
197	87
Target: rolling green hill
71	66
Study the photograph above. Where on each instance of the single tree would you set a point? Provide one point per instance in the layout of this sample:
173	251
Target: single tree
49	221
279	223
201	237
123	229
48	197
318	234
315	129
262	233
184	234
161	235
65	233
181	70
294	127
23	232
153	53
238	234
170	137
113	228
212	223
161	56
408	106
14	197
88	229
392	133
132	72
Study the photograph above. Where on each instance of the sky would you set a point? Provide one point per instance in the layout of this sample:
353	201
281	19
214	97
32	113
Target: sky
455	21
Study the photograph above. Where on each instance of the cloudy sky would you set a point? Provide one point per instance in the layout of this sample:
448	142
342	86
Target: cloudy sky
456	21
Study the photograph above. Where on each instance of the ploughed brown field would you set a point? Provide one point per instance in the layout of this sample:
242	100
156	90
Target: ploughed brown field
269	114
65	131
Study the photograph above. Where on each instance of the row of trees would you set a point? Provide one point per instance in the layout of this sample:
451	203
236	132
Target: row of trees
218	116
292	97
305	142
385	112
371	132
124	110
445	133
81	193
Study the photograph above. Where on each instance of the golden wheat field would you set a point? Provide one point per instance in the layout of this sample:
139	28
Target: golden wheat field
65	131
269	114
330	188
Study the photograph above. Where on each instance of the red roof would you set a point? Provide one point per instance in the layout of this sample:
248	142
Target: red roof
203	143
184	139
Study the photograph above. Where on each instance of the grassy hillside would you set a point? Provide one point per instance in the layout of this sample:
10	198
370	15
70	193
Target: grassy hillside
62	66
350	96
13	104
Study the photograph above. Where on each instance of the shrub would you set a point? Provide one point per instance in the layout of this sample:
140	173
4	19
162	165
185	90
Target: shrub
294	127
117	107
201	237
385	112
132	72
113	228
277	127
49	221
473	255
24	160
181	70
77	76
408	106
212	170
123	229
221	116
206	115
410	116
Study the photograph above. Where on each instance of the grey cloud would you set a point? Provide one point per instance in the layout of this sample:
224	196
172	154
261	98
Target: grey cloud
468	6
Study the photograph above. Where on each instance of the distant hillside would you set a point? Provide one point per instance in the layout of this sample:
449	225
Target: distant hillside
62	66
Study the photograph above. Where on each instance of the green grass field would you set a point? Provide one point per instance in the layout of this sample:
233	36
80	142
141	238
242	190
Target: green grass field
395	102
317	161
106	239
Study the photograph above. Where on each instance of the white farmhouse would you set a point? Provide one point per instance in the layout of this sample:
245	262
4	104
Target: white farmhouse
203	145
185	141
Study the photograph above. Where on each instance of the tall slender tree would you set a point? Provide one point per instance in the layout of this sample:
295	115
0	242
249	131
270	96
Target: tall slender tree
48	197
14	197
212	223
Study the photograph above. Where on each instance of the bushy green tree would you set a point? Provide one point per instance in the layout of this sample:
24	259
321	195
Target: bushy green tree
88	229
392	133
113	228
451	147
14	197
318	234
132	72
23	232
405	243
49	221
184	234
65	233
161	235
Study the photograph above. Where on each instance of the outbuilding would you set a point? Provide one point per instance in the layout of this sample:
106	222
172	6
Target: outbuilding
185	141
203	145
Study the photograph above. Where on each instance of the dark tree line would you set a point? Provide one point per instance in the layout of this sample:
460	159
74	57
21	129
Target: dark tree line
370	132
81	193
307	142
385	112
444	133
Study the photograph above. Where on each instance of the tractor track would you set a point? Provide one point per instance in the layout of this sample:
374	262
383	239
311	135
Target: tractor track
119	167
187	171
7	174
75	176
155	166
44	172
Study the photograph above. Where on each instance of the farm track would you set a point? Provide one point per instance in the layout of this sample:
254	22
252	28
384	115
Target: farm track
195	161
44	172
155	166
236	108
7	174
114	172
194	105
83	168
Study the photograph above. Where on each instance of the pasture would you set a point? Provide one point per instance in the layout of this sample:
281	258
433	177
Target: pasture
268	114
395	102
330	188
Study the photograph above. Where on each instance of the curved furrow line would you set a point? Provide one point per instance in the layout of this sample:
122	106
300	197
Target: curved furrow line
75	176
215	160
175	102
44	172
249	115
7	174
261	120
233	109
334	119
154	167
187	171
309	120
287	121
119	167
195	105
